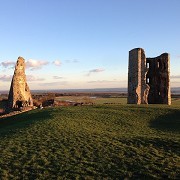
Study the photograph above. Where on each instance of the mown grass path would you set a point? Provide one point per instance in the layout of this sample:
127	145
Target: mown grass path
92	142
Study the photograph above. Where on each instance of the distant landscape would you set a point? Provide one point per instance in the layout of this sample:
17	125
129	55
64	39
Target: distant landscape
174	90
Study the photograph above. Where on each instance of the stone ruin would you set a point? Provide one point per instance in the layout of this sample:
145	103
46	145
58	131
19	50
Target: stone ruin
148	78
19	94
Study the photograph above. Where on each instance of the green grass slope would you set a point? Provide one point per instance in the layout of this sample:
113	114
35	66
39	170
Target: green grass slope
92	142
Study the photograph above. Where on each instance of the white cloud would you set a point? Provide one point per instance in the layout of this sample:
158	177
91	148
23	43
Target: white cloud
35	64
108	81
75	61
57	63
34	78
95	71
101	81
5	78
175	77
6	64
57	77
72	61
54	84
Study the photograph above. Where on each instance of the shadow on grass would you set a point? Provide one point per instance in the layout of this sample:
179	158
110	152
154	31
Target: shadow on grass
9	125
157	143
153	151
168	122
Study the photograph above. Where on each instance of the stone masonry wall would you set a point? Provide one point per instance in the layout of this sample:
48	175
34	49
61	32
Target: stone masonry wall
159	75
137	87
148	79
19	94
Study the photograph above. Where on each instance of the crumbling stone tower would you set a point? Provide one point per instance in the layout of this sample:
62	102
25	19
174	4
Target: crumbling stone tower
148	78
19	94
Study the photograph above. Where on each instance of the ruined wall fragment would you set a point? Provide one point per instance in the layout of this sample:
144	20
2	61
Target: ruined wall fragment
137	87
19	94
148	79
159	79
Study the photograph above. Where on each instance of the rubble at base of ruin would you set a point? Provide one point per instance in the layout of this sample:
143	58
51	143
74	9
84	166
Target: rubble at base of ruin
148	78
19	94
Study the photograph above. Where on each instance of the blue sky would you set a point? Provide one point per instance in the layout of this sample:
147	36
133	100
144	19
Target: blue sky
71	44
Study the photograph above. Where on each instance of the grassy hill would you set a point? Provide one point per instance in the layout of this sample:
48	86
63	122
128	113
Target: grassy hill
88	142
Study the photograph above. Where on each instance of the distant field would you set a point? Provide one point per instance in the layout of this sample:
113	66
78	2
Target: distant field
176	101
92	142
95	100
101	100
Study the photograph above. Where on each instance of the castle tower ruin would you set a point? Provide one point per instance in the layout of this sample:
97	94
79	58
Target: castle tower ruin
19	94
148	78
